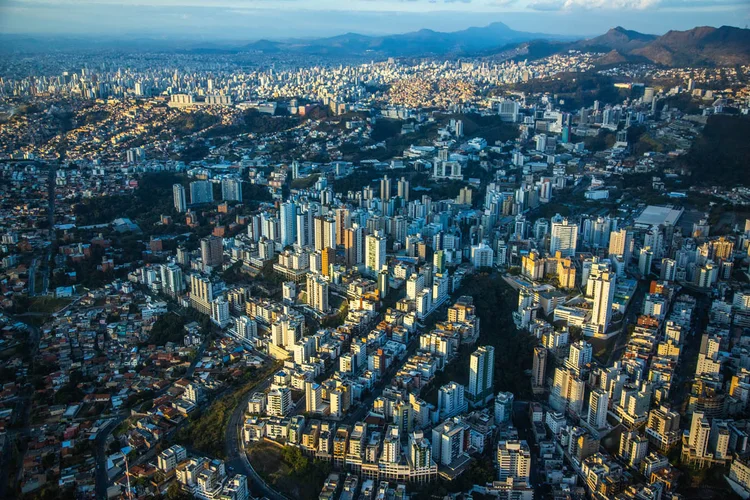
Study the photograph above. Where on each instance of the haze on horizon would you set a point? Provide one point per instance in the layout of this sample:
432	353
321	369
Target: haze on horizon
278	19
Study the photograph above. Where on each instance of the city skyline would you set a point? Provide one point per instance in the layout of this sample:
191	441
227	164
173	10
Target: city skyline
258	19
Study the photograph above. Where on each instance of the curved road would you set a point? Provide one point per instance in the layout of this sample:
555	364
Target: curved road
235	448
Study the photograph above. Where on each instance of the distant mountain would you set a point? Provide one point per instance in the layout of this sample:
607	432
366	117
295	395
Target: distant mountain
702	46
418	43
619	39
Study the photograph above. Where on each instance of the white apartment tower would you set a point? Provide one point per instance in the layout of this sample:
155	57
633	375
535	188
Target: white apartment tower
563	237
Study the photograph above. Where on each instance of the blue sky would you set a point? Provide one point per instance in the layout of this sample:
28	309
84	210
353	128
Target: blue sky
255	19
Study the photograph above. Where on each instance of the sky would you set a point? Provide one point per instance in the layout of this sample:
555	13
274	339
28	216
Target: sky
204	20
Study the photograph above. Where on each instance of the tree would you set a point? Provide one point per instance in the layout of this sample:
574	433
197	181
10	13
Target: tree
174	492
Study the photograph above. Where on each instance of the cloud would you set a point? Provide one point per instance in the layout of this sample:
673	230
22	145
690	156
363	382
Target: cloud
546	6
568	5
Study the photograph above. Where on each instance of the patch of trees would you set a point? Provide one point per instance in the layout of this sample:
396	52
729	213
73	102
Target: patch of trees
207	431
489	128
254	193
194	152
577	89
168	328
255	122
385	129
189	123
719	155
495	300
305	471
152	199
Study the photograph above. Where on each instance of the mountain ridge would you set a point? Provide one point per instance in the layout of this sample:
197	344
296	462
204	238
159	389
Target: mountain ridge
415	43
700	46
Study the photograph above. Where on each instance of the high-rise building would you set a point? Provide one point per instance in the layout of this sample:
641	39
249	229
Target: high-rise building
317	292
279	402
247	328
449	441
288	223
451	400
604	296
420	451
313	396
172	280
212	251
325	233
343	222
563	237
668	270
385	188
567	391
598	404
438	261
374	253
220	312
201	192
231	190
201	293
663	428
304	228
579	356
136	155
538	371
391	445
168	459
354	246
180	203
403	189
621	245
633	447
513	460
645	260
648	95
481	373
482	256
503	408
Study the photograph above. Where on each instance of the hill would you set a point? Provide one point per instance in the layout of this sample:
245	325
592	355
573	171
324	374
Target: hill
417	43
702	46
618	39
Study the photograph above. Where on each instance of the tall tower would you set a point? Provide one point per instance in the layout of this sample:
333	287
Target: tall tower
481	373
563	238
212	251
620	244
374	253
288	223
598	402
403	189
538	370
180	203
354	245
604	295
385	188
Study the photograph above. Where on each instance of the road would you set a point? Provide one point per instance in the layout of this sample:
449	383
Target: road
102	474
21	417
235	448
631	317
102	478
